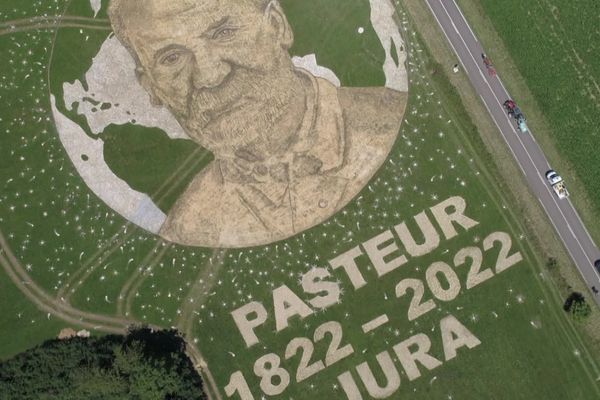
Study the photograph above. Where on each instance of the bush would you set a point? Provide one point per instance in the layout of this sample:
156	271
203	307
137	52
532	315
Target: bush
552	263
577	306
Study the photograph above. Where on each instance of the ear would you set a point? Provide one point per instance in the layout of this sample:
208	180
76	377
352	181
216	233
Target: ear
280	23
146	82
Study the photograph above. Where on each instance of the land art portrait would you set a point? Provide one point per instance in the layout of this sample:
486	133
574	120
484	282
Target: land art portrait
294	199
291	146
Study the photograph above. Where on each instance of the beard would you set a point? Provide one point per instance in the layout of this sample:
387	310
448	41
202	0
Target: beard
241	112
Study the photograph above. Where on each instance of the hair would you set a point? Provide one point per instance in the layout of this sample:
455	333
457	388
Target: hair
115	14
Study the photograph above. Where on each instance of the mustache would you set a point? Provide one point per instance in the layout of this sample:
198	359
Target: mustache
206	105
240	111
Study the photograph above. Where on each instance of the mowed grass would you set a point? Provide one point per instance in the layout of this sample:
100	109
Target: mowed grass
23	324
529	348
556	46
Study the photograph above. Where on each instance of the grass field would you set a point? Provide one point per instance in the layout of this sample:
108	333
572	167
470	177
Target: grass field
24	326
555	48
74	246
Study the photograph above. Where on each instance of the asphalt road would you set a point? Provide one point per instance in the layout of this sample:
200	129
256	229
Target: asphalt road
527	152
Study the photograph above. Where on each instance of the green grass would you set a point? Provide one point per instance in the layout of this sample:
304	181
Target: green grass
23	325
148	167
529	348
511	346
555	45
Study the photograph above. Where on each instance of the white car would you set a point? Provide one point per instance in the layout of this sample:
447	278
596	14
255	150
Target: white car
557	184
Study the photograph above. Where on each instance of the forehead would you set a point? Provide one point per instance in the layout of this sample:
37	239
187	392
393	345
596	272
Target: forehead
152	21
159	10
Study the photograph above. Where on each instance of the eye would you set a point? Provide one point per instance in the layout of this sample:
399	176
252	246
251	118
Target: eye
171	59
224	33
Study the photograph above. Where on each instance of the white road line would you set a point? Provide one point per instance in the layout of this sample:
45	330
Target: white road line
481	73
464	19
518	136
565	244
446	35
453	25
504	137
583	225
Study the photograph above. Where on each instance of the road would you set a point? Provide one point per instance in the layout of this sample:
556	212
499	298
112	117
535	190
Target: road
523	146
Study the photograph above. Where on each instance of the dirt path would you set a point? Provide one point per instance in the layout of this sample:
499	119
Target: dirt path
91	264
98	322
46	303
53	22
200	365
98	258
52	19
61	309
124	303
76	317
198	293
52	26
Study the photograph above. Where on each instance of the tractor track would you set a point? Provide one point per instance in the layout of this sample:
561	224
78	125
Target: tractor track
195	298
19	276
100	256
52	19
44	301
52	26
145	267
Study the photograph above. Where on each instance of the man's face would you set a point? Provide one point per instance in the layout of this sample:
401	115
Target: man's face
220	66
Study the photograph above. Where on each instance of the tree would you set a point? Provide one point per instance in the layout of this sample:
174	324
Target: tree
144	365
97	384
577	306
552	263
581	310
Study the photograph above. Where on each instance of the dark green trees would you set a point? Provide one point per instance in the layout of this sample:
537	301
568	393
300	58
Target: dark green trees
144	365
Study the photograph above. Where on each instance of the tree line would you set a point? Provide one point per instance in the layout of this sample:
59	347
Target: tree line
142	365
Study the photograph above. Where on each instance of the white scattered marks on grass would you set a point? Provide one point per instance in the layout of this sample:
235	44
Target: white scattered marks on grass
96	6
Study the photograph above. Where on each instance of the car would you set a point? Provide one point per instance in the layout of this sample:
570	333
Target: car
557	183
515	112
553	177
522	123
597	265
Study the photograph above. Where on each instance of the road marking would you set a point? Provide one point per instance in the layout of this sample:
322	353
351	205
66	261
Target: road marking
464	19
375	323
565	245
446	35
481	73
486	82
520	140
504	137
589	237
454	26
584	227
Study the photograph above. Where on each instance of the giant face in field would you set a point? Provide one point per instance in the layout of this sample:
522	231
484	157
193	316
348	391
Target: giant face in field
290	149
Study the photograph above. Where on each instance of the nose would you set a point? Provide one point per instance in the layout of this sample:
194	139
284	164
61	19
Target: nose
209	70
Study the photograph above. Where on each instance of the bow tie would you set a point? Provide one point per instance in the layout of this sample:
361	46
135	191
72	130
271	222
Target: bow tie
297	165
